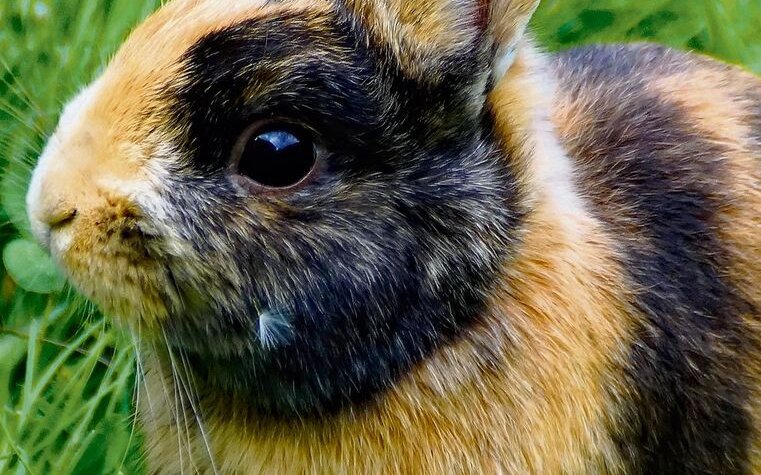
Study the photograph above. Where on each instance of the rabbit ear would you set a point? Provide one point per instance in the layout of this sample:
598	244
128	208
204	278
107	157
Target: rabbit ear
422	34
428	36
506	23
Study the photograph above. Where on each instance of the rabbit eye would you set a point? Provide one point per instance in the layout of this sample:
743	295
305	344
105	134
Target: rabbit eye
275	156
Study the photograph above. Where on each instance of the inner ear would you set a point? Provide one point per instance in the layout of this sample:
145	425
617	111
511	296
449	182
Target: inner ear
483	14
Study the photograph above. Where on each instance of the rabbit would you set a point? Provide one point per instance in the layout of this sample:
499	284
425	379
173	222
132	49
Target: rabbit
481	258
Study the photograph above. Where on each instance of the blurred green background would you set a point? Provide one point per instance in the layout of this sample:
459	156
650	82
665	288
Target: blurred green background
67	379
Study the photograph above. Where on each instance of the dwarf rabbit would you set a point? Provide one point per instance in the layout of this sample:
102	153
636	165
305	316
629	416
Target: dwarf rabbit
393	236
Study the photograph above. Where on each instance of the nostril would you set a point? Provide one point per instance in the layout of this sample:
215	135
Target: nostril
60	217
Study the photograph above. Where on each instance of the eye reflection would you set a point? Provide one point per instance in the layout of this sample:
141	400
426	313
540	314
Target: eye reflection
277	157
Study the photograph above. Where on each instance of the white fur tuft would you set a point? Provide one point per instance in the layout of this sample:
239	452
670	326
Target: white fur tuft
274	329
502	63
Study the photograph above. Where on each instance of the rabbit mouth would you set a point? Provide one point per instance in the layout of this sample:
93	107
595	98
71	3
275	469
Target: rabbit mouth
127	283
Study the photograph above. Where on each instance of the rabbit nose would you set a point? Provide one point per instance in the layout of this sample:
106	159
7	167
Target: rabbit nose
58	215
48	214
51	200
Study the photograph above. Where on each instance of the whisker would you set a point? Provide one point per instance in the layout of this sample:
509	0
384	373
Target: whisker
18	87
179	382
190	377
22	142
139	379
176	410
141	365
179	391
192	394
18	115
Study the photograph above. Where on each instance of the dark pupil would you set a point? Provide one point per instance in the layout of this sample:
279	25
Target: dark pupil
277	159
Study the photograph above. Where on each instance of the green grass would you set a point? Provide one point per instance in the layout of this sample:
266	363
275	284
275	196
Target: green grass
67	378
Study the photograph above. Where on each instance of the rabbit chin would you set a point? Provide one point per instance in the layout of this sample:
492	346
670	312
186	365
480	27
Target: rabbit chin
131	287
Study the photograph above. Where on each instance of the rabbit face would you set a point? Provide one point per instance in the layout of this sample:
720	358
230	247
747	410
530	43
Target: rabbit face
277	193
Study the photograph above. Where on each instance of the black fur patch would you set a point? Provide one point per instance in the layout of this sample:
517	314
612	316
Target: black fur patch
388	254
658	183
